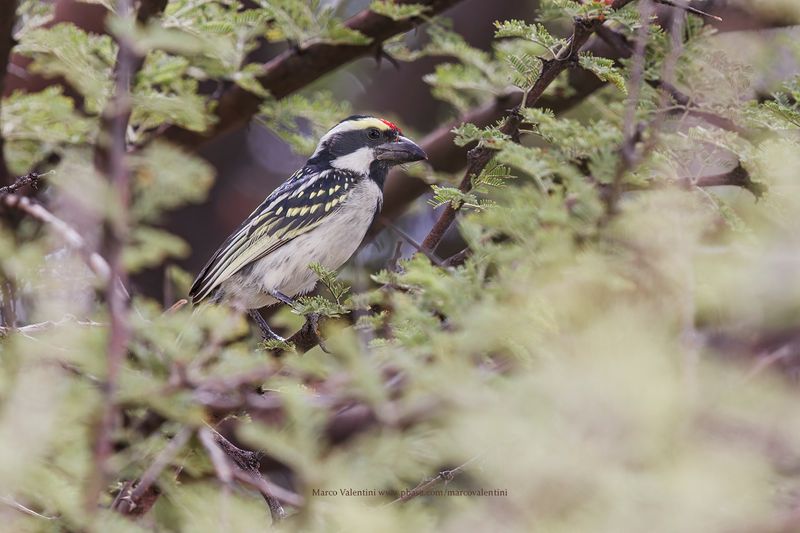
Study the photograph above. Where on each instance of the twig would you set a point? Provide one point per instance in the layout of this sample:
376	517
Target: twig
129	500
685	5
392	263
478	158
33	179
631	130
459	258
306	337
736	177
410	240
48	325
21	508
444	475
93	260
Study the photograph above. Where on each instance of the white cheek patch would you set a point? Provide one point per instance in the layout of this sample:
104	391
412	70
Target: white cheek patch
358	161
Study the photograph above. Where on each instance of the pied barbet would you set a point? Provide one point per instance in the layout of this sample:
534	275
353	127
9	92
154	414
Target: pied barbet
320	214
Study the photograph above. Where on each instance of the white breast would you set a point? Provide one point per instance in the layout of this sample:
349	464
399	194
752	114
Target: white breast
331	244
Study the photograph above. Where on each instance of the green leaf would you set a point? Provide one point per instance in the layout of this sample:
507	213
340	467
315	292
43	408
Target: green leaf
604	69
316	112
388	8
247	79
329	279
84	60
166	177
149	247
468	133
36	123
164	93
536	33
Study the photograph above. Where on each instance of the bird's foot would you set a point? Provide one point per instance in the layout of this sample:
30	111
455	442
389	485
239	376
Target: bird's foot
266	331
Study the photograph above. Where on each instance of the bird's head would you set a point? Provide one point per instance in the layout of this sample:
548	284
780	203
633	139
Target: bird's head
365	145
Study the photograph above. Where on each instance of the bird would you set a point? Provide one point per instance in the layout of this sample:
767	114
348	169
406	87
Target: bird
320	214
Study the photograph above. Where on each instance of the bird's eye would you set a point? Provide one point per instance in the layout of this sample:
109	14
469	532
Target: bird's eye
374	133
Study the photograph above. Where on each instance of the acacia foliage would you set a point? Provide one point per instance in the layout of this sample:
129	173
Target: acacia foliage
608	365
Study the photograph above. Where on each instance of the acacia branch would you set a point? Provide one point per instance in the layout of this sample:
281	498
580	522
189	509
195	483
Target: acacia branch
111	160
736	177
401	189
480	156
296	68
631	130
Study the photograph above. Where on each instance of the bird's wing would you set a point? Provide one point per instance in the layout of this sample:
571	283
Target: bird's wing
296	207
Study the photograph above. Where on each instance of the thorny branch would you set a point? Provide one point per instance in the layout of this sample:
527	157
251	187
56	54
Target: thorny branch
33	179
480	156
111	159
444	156
245	469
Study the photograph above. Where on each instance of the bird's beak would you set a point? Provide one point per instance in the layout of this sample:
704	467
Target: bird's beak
403	150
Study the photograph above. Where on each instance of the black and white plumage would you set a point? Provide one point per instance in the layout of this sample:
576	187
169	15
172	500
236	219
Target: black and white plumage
320	214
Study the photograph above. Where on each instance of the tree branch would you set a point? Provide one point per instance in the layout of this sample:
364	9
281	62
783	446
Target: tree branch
401	189
631	130
111	160
245	469
480	156
296	68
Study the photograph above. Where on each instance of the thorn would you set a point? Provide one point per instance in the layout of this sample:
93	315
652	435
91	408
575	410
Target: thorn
381	53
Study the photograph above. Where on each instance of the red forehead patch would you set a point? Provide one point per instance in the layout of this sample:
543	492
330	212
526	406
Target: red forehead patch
391	125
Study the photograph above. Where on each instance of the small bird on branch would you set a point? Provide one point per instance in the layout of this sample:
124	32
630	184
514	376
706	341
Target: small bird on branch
319	215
